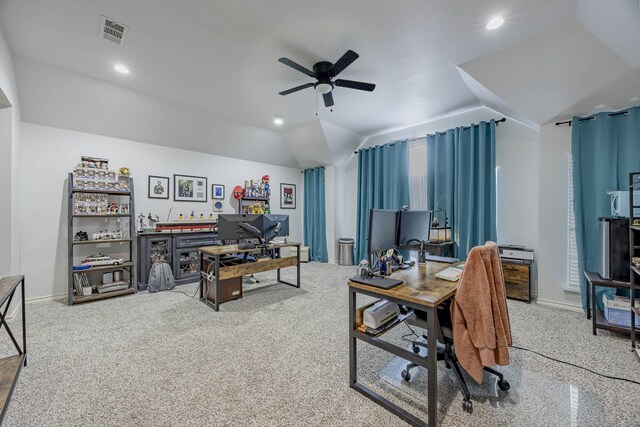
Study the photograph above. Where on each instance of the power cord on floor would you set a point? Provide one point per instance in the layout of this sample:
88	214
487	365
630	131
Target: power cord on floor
183	292
576	366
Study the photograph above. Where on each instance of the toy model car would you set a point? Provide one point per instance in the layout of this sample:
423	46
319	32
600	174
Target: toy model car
98	259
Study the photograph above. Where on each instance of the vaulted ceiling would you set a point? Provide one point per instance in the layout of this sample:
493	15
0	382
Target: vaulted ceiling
205	76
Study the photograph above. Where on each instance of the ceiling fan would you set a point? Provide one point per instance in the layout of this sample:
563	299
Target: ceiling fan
324	72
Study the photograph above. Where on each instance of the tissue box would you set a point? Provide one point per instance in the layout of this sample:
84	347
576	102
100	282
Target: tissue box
617	311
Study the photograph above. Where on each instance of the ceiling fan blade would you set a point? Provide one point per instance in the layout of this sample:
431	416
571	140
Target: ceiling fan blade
328	99
290	63
297	88
369	87
343	63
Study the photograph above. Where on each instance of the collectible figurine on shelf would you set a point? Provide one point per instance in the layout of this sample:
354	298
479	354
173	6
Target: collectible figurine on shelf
124	171
180	217
140	222
201	216
191	215
256	208
113	209
265	182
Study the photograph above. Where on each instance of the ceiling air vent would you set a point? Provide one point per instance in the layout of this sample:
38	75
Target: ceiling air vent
113	31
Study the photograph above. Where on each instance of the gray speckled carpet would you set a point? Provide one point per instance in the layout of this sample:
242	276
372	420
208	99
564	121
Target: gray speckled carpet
279	356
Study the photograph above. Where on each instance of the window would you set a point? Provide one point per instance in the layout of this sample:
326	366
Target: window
573	276
418	174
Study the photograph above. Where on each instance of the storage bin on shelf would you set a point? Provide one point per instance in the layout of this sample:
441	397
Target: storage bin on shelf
617	310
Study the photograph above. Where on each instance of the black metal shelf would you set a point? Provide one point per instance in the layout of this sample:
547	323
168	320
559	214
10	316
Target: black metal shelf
97	242
106	267
102	216
634	182
109	192
129	266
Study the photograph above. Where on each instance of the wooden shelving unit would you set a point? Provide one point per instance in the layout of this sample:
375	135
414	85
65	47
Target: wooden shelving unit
11	366
129	265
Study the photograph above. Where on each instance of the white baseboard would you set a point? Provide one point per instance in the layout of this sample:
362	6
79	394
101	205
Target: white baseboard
31	300
562	305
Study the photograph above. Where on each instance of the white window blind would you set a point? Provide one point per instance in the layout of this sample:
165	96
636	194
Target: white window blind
418	174
573	276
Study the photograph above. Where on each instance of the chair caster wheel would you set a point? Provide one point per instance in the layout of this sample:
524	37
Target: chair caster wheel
406	375
504	385
416	349
447	365
467	405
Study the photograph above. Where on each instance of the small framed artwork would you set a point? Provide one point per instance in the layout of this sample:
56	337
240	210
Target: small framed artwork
187	188
217	191
158	187
287	196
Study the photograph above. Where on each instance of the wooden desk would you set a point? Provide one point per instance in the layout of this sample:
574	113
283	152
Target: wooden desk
422	291
216	253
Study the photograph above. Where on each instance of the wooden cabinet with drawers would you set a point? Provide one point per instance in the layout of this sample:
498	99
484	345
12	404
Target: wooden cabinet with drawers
517	280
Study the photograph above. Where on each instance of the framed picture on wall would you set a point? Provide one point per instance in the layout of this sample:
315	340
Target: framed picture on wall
217	191
287	196
188	188
158	187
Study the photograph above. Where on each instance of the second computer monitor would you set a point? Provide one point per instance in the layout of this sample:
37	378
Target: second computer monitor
414	227
229	226
383	228
271	221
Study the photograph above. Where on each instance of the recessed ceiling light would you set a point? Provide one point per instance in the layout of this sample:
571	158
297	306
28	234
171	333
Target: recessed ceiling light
495	22
121	69
278	121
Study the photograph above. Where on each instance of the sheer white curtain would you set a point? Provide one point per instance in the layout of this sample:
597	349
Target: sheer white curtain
418	174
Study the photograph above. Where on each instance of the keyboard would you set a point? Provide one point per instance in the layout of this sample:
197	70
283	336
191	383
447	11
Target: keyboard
451	274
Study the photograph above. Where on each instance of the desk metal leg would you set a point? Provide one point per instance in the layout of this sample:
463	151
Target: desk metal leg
298	268
588	284
203	281
278	275
594	313
353	356
24	325
216	283
432	363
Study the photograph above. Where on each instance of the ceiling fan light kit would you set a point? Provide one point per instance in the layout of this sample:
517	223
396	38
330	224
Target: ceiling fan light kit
324	72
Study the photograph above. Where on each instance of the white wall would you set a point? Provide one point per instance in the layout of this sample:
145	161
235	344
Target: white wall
49	154
517	157
555	147
9	150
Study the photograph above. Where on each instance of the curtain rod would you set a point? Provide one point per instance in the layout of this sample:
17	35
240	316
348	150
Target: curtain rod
568	122
504	119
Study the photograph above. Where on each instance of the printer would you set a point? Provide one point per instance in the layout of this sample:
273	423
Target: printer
516	253
380	313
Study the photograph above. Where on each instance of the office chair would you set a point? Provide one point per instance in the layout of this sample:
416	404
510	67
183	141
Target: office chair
446	351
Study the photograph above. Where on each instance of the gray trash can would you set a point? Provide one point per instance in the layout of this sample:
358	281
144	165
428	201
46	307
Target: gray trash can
345	251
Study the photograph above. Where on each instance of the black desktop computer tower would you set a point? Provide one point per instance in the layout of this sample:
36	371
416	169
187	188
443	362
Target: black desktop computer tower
614	248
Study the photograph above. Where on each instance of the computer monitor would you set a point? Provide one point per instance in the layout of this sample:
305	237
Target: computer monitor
383	230
413	227
271	220
229	226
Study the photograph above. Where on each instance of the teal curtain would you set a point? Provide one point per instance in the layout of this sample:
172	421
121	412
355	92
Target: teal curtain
383	183
605	148
315	225
461	179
